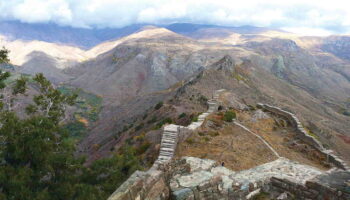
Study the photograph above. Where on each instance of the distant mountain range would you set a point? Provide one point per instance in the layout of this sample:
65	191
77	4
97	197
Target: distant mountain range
86	38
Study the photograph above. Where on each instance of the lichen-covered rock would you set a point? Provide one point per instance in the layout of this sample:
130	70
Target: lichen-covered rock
183	194
197	164
194	179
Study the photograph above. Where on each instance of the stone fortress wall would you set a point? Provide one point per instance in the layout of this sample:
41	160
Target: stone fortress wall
151	184
305	137
172	133
195	179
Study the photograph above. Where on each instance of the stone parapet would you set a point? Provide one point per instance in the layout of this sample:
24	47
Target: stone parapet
172	133
304	136
152	184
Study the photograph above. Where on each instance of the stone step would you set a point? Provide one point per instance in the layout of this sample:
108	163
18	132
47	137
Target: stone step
169	137
166	153
166	149
196	123
164	158
202	117
169	132
162	153
169	141
171	128
167	145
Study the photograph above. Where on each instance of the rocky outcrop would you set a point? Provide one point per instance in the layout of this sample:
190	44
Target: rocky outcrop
305	137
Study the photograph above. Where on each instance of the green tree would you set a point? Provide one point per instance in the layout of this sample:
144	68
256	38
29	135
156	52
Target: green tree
4	56
37	159
37	162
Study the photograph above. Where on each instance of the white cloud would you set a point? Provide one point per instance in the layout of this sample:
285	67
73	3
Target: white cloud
306	31
319	15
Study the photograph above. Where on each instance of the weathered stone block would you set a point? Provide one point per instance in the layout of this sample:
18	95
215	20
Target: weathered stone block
183	194
159	189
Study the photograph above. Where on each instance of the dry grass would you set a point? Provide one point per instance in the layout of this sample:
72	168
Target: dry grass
231	145
277	133
239	149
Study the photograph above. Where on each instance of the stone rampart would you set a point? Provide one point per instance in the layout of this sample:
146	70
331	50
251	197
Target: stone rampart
173	133
305	137
193	178
330	185
152	183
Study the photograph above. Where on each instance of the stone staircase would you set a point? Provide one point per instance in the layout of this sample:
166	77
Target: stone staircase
171	132
168	143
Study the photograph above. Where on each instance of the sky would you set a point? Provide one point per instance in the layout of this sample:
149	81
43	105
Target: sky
305	17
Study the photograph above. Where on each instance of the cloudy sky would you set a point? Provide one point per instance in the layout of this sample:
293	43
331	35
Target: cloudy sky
307	17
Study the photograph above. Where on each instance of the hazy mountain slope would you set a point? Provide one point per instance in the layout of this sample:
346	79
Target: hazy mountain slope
147	61
39	62
19	51
52	33
245	78
260	85
194	29
89	37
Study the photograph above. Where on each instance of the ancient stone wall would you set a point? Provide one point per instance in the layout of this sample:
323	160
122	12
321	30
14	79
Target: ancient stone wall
331	185
143	186
152	183
200	179
172	133
204	179
305	137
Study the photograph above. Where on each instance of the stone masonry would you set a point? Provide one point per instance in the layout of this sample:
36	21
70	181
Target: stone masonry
192	178
305	137
172	133
205	179
138	186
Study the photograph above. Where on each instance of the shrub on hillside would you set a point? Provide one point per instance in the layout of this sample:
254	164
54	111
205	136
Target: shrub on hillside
229	116
190	141
152	120
139	127
159	105
182	115
346	113
161	123
194	119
